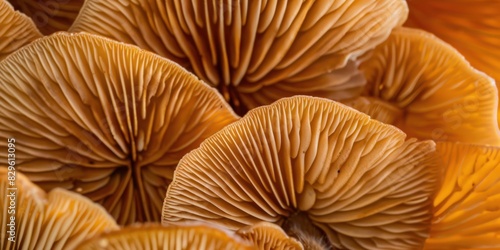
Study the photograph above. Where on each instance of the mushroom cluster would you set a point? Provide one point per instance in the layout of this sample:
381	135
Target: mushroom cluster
236	124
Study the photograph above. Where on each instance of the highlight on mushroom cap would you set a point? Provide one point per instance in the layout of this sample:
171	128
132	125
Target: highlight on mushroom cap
104	119
59	219
348	181
16	30
429	90
186	236
254	52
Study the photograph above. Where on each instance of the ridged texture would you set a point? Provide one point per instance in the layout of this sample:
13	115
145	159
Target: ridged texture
355	178
16	30
104	119
50	15
467	211
58	220
439	95
268	236
256	51
172	237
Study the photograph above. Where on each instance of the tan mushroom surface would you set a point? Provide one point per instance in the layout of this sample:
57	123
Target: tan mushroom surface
16	30
265	235
254	52
314	167
59	219
188	236
50	15
425	87
467	205
104	119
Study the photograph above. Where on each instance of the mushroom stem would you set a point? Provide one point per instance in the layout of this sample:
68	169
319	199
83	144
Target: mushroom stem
300	227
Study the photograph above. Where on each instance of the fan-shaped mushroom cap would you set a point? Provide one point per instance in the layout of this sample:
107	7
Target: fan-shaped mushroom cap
427	89
16	30
467	205
267	235
58	220
257	51
50	16
310	160
176	237
105	119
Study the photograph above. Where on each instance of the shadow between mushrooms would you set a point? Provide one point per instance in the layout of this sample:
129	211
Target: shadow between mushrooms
320	170
425	87
104	119
254	52
59	219
16	30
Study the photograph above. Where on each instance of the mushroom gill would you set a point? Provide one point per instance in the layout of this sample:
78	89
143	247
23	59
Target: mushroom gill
50	15
254	52
59	219
426	88
269	236
467	205
189	236
327	174
105	119
16	30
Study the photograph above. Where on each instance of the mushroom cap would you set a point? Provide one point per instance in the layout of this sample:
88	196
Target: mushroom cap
254	52
178	237
105	119
267	236
467	211
356	179
50	16
16	30
58	220
430	91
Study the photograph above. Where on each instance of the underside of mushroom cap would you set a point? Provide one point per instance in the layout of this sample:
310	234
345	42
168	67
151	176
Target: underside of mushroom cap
267	236
431	91
58	220
254	52
16	30
353	179
104	119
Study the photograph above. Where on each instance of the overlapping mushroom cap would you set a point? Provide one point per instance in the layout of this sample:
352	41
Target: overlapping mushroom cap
467	205
188	236
314	167
257	51
59	219
425	87
50	16
104	119
265	235
16	30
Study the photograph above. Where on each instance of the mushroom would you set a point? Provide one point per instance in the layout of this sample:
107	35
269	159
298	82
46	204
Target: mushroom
59	219
179	237
105	119
265	235
16	30
50	16
254	52
426	88
467	211
322	171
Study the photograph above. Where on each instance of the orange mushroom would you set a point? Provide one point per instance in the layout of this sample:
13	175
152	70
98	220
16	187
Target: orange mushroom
265	235
104	119
327	174
254	52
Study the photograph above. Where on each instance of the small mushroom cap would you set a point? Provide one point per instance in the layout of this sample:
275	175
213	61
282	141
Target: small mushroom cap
50	16
267	236
356	179
105	119
16	30
58	220
434	92
258	51
467	205
175	237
